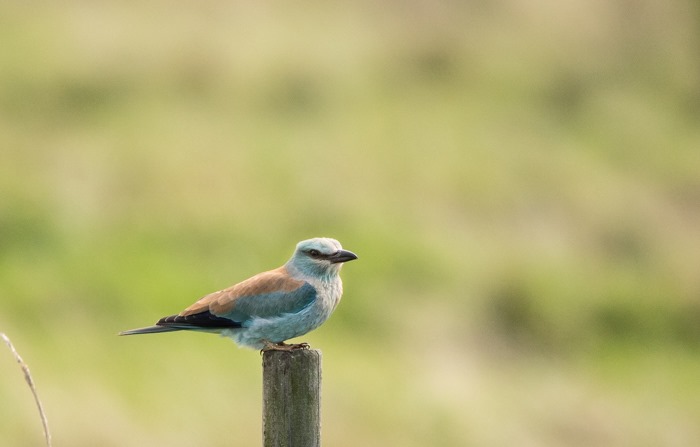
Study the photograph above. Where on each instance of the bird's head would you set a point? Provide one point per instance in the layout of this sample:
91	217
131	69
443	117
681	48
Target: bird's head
320	257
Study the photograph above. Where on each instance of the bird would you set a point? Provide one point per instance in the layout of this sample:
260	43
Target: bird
265	310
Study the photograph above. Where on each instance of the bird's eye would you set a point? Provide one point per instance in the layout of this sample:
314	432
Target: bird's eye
314	252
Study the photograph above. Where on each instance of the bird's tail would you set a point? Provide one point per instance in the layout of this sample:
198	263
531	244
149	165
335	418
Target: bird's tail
149	330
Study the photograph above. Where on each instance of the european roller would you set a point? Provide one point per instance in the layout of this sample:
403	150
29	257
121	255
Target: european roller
269	308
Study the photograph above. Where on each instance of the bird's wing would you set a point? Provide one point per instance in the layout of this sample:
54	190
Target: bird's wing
265	295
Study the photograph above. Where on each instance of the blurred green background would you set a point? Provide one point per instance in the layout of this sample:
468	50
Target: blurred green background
521	181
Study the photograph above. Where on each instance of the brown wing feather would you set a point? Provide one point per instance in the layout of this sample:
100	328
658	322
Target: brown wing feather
222	302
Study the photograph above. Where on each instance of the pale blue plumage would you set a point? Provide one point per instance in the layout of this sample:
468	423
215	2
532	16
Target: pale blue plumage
273	306
270	305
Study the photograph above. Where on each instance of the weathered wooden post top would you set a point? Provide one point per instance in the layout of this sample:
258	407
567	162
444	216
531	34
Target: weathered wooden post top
291	398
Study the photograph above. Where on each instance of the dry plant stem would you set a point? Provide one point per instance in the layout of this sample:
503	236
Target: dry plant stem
30	382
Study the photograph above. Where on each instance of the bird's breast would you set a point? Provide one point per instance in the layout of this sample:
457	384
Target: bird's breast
329	293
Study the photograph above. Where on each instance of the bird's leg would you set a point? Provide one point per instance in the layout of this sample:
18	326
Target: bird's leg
282	346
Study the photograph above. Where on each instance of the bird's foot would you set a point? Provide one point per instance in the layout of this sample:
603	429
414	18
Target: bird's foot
282	346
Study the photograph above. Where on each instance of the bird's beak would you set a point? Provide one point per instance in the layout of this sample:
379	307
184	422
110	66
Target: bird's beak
342	256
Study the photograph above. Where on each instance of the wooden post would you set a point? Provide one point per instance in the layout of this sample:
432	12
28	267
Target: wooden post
291	398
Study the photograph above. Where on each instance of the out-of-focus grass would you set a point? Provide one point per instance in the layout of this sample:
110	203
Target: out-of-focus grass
519	180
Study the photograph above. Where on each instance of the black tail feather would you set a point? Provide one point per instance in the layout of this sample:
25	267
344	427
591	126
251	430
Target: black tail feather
203	321
149	330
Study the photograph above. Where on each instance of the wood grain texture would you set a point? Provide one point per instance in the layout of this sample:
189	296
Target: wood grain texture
292	398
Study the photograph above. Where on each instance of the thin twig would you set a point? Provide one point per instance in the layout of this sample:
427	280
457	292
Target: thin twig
30	382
